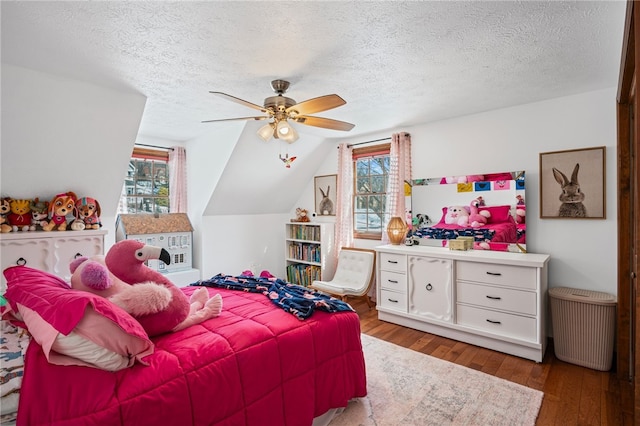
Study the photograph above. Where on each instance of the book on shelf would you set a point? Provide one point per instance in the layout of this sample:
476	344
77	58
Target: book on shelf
303	275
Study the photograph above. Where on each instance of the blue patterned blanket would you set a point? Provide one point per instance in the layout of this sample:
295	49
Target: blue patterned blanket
295	299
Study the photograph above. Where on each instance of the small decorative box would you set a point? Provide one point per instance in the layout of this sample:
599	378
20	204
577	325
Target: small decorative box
461	243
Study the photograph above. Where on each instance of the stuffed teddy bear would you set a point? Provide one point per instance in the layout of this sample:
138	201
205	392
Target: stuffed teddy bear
457	215
477	217
38	214
89	212
5	209
62	211
20	216
149	296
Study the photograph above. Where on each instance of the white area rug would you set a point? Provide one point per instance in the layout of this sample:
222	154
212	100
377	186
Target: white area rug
406	387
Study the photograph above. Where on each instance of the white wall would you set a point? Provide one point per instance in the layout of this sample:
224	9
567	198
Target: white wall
232	244
62	135
583	252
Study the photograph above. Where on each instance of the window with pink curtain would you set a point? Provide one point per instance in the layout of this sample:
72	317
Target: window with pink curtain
399	172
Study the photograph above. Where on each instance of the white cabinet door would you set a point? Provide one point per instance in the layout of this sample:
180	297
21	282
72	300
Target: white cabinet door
34	253
70	246
431	287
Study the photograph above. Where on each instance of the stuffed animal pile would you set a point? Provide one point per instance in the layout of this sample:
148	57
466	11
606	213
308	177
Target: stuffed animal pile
470	216
64	211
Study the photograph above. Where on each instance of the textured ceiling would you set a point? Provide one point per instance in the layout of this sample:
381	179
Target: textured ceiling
395	63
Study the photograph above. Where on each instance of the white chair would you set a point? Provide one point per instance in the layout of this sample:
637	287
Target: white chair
353	277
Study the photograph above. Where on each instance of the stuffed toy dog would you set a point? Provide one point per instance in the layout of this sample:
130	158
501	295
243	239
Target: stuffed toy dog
39	214
89	212
62	211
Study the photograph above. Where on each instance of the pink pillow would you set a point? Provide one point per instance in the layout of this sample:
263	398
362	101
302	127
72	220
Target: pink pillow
499	214
52	310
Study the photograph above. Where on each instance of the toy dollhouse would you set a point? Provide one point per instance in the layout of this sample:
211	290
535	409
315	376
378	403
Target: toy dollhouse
171	231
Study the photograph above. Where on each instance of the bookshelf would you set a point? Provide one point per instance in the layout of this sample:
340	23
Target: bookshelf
309	252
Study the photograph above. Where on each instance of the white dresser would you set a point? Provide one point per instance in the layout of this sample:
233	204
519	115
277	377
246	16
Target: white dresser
48	251
486	298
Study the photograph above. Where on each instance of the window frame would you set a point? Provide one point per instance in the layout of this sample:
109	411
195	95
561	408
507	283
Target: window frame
146	155
360	153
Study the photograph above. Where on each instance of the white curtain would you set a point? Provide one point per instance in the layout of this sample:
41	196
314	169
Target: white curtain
177	180
344	199
399	172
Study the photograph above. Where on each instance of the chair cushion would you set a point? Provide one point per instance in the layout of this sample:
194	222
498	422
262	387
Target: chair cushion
353	274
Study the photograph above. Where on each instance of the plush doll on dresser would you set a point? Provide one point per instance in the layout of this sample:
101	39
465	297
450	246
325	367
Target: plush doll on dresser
62	211
20	216
89	212
39	214
5	208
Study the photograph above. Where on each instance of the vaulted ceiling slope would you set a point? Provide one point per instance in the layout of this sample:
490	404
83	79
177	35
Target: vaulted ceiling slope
395	63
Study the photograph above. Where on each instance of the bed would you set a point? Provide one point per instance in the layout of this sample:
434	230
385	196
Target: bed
500	228
255	364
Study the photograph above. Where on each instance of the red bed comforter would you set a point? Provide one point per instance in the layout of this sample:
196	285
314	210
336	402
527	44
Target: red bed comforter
253	365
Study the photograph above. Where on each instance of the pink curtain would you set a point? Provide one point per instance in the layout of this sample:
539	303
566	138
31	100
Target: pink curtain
344	199
399	172
177	180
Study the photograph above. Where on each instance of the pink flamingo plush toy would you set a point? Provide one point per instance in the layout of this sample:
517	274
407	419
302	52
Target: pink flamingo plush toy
125	260
478	218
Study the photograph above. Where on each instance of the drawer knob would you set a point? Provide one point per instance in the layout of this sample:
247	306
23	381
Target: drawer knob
496	274
392	261
391	300
494	297
429	287
77	255
393	281
494	322
21	262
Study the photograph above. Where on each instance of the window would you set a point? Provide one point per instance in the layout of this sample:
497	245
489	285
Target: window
371	166
146	184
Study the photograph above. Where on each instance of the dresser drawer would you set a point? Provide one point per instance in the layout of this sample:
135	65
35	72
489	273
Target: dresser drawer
490	273
393	262
393	281
500	323
505	299
393	300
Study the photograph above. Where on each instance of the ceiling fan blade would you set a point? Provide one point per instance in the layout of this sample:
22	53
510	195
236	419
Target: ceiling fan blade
238	118
326	123
239	101
319	104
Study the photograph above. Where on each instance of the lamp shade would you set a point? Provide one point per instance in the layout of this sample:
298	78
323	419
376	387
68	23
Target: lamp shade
265	132
397	230
286	132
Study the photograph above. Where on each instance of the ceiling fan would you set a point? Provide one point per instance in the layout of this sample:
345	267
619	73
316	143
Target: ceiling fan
279	109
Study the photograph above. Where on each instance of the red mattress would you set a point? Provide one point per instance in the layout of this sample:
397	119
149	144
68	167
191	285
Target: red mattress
254	365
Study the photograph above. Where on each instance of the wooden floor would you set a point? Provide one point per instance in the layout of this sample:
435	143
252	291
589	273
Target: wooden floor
573	395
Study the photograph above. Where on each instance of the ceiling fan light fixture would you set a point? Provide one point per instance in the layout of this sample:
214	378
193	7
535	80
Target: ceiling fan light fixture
283	128
265	132
291	135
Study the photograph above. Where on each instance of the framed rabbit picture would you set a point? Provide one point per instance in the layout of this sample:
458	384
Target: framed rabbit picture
325	194
572	184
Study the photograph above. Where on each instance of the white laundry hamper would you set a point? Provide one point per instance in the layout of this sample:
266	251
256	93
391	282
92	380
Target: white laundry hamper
583	326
